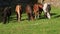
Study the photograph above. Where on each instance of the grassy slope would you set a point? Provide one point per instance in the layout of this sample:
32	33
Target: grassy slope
39	26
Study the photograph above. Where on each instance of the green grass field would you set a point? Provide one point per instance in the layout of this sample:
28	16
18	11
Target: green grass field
38	26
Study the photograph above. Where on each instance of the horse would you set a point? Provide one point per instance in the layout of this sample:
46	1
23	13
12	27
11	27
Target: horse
37	9
47	9
6	14
29	12
18	12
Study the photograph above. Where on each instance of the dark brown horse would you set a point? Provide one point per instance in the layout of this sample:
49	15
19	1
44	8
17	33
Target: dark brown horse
29	12
18	12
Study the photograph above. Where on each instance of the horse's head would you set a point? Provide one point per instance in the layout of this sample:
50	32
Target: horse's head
40	5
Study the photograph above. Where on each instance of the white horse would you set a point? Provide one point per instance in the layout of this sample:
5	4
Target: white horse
46	9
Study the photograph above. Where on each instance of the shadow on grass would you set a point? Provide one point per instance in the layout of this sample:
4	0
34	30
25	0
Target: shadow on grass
0	19
24	19
13	19
42	17
52	14
57	16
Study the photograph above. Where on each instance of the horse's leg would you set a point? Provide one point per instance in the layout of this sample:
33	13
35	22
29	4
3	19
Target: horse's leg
4	20
5	17
28	16
31	16
45	12
40	11
18	16
48	15
8	18
48	12
35	14
38	14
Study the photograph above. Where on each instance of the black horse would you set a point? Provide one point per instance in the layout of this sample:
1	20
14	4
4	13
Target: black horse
6	14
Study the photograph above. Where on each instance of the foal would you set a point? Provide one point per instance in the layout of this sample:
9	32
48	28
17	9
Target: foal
18	12
29	12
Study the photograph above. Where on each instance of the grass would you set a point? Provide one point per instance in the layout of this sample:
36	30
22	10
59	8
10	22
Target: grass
39	26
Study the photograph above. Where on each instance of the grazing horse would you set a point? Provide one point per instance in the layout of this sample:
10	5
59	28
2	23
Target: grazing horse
6	14
18	12
37	9
46	9
29	12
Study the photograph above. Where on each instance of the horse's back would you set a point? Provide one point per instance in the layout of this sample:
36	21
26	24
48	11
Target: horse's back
7	11
28	9
35	7
47	7
18	8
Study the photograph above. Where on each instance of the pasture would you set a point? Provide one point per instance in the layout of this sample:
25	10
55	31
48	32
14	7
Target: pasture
38	26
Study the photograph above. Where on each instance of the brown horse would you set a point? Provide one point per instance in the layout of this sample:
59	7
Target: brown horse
29	12
18	12
37	9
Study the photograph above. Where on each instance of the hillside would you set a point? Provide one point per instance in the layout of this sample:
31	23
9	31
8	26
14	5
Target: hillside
54	2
